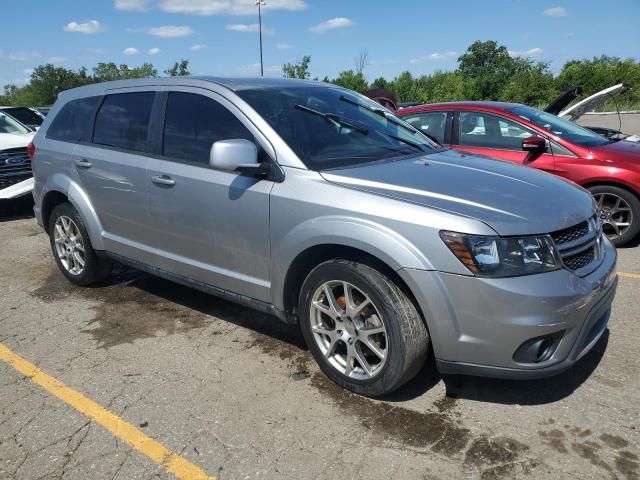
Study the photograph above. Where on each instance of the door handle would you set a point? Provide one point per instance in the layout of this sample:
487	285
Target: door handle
83	163
164	180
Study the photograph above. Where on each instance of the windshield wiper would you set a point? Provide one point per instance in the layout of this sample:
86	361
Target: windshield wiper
333	119
377	111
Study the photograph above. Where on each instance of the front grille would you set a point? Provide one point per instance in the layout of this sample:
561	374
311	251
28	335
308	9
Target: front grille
570	234
15	166
581	259
579	245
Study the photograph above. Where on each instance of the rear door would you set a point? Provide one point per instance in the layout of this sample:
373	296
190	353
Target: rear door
210	225
496	136
113	170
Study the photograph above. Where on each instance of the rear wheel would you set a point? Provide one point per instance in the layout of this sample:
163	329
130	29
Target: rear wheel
72	249
361	328
619	211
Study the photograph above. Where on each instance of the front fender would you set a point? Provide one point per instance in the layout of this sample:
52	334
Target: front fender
79	199
375	239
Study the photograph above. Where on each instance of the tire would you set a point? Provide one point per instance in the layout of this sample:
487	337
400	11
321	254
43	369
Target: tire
68	239
607	197
403	341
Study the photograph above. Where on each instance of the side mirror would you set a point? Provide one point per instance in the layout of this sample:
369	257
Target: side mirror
534	144
237	155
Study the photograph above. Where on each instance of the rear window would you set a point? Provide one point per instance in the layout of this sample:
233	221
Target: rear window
73	122
123	121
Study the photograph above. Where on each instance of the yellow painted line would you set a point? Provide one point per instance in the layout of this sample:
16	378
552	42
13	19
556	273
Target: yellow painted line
172	462
629	275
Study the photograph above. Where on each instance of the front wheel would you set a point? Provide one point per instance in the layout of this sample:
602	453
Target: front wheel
362	329
619	211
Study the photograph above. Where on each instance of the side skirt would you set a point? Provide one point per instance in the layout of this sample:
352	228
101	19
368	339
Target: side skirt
205	287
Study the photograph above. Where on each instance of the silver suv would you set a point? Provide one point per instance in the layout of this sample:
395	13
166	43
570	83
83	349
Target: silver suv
314	204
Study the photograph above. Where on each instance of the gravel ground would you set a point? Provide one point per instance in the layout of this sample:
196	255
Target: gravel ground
236	392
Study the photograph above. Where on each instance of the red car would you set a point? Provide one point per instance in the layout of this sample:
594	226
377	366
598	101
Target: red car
610	169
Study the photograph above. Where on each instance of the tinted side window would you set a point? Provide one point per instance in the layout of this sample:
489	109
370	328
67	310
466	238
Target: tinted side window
193	123
73	121
123	121
489	131
431	123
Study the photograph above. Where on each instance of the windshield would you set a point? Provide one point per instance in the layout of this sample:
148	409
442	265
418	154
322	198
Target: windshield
25	115
570	131
9	125
329	127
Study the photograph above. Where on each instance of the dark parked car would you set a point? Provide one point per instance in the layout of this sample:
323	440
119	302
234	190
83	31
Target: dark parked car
609	169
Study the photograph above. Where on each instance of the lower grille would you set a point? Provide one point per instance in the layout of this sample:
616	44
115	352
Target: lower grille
579	260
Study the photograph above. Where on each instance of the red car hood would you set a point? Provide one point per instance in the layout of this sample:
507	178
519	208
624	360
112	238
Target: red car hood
620	151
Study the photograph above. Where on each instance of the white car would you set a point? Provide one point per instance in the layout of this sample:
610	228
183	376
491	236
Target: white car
16	178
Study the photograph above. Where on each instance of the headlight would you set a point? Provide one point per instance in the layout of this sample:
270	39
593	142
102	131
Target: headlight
503	257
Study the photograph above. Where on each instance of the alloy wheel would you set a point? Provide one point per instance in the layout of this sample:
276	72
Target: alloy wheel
69	245
616	214
348	329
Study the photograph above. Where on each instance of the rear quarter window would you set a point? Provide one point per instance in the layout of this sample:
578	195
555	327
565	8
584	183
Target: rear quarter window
73	122
123	121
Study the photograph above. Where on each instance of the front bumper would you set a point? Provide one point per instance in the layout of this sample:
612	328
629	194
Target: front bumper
477	324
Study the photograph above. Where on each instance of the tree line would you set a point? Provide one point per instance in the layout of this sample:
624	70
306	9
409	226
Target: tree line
486	71
48	80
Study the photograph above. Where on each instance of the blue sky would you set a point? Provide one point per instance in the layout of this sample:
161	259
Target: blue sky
219	36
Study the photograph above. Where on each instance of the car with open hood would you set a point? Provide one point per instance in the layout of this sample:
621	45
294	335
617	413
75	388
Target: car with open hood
608	168
318	206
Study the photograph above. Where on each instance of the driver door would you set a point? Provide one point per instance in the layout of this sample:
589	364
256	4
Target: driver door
498	137
210	225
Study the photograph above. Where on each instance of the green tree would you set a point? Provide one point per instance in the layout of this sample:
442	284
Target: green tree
533	86
179	69
47	81
351	80
487	67
105	72
299	69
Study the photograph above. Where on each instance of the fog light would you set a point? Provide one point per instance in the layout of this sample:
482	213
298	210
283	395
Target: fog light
538	349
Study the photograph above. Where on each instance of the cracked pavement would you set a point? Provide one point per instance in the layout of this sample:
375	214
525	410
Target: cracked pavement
236	393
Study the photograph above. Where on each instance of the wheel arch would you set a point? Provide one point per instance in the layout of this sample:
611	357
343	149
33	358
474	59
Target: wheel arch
63	189
311	257
611	183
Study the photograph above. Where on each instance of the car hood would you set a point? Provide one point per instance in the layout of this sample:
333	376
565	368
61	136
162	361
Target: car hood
15	140
562	100
576	111
619	151
511	199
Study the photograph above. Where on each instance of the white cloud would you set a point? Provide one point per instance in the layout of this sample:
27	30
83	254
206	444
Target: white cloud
434	57
92	26
132	5
97	51
20	55
153	51
28	71
338	22
532	52
227	7
171	31
130	51
254	69
249	27
57	59
196	47
555	12
283	46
